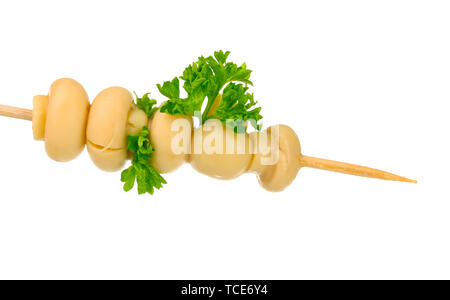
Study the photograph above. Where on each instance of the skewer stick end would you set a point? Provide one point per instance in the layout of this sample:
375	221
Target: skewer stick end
351	169
16	112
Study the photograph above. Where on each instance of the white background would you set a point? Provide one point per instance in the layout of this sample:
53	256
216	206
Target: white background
366	82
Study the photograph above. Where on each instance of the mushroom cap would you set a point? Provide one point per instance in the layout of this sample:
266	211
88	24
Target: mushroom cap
227	160
65	126
137	119
278	176
109	160
39	116
107	128
162	134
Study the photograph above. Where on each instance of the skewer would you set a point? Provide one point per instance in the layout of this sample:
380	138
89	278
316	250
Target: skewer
346	168
304	161
16	112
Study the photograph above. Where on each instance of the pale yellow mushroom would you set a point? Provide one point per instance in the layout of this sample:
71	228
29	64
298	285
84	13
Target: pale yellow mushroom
39	117
107	128
227	161
217	151
65	126
165	130
276	167
61	119
137	119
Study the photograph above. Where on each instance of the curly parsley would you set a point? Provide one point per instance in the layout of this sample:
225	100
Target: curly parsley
205	79
141	171
146	104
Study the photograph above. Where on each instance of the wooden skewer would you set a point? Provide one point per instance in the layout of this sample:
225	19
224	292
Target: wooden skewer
341	167
16	112
305	161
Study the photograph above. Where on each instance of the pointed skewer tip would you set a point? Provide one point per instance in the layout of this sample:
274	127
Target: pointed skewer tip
351	169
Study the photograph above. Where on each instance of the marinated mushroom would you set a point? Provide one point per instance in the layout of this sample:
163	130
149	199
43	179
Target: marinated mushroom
168	132
65	126
279	174
219	152
39	117
116	128
107	128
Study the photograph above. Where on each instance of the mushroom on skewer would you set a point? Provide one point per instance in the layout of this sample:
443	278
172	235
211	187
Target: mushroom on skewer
115	128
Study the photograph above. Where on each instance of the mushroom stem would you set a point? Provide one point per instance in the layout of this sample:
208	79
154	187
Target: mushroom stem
341	167
16	112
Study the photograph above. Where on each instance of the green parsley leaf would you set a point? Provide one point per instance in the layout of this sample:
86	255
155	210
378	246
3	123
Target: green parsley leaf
146	104
170	89
237	106
204	79
176	105
141	171
128	176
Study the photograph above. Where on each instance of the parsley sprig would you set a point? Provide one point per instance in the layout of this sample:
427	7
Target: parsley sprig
204	79
141	171
146	104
